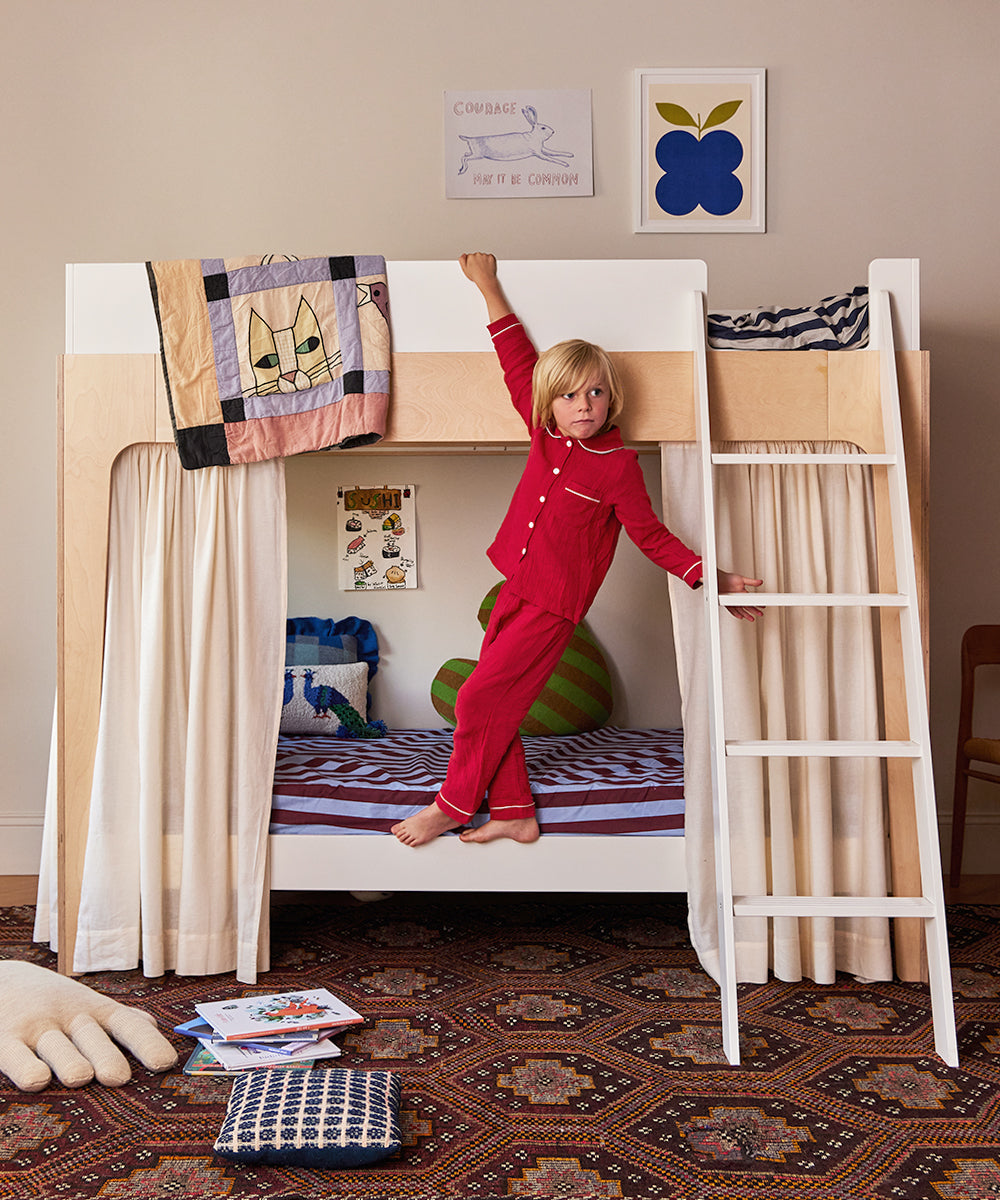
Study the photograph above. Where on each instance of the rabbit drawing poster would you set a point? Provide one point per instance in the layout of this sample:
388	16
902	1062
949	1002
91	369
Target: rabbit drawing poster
518	143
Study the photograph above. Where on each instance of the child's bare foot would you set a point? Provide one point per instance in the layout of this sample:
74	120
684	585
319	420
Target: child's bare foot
522	829
424	826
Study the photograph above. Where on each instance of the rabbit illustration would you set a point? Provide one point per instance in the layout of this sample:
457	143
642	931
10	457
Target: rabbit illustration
506	147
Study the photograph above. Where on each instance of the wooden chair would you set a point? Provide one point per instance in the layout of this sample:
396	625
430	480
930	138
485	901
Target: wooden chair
980	646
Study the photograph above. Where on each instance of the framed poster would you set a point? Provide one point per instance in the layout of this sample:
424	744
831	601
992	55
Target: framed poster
700	150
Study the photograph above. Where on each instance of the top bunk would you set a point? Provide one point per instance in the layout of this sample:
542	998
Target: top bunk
447	392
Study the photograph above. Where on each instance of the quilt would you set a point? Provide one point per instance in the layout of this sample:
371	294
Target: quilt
269	357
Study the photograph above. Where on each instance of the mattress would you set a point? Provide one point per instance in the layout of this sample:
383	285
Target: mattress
621	781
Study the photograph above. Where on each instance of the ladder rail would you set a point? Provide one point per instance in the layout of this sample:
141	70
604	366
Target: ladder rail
939	965
716	711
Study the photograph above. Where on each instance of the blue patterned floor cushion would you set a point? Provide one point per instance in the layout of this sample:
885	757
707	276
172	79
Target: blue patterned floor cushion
311	1118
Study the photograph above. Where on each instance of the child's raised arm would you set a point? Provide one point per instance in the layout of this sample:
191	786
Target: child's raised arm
481	269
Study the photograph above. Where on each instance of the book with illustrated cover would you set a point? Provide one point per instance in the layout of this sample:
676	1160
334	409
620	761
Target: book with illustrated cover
279	1013
241	1056
285	1042
204	1062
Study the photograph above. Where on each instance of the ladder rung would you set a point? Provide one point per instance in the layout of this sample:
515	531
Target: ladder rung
832	906
815	599
878	460
810	749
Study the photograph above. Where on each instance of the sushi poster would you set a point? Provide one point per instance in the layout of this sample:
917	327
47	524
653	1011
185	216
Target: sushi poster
377	538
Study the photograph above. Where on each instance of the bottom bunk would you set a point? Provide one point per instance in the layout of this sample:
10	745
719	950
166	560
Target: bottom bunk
610	807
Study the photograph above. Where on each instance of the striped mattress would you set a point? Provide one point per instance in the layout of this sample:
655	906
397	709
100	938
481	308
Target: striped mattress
626	781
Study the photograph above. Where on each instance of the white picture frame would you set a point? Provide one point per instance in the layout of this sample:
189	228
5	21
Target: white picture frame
680	187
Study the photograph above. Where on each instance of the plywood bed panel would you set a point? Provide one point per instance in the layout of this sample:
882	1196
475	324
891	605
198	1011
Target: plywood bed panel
111	401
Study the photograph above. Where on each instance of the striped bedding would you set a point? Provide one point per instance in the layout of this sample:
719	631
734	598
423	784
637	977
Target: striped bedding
623	781
837	323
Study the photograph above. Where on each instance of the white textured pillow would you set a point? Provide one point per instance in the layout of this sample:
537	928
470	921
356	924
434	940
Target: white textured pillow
312	692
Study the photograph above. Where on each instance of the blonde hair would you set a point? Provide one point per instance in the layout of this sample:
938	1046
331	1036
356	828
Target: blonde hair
562	368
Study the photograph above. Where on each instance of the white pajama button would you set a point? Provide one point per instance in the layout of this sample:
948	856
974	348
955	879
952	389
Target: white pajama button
531	524
541	499
555	470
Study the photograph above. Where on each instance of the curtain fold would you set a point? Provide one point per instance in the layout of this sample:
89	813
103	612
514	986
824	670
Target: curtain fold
799	826
194	645
46	926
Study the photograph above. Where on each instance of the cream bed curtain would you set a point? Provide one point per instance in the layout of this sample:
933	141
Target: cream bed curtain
195	618
176	849
799	826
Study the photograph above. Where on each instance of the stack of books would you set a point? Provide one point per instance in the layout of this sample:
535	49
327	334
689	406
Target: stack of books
285	1029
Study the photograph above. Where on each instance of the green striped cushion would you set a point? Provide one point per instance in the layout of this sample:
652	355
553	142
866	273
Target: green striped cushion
445	685
577	697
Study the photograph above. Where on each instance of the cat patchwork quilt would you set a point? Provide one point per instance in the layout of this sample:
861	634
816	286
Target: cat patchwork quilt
269	357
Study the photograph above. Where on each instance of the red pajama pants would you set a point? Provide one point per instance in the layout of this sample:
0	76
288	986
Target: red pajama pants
521	648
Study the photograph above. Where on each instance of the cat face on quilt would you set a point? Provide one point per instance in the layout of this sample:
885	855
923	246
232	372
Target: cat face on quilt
289	360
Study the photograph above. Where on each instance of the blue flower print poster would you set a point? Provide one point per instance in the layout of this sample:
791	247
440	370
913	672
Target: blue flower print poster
377	538
701	151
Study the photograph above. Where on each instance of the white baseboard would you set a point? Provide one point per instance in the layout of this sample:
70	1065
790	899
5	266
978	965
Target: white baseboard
20	843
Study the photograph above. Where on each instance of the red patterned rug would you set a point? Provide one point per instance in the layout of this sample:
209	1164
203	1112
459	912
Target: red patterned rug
557	1048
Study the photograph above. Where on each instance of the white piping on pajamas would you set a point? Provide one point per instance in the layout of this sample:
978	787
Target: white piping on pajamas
513	325
554	433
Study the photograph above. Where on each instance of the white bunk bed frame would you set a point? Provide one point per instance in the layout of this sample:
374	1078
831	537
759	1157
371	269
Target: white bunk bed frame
447	392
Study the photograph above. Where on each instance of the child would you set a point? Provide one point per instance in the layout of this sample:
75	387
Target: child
580	486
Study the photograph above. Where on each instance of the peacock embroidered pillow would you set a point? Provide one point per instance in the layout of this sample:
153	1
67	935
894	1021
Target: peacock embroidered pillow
320	697
311	1118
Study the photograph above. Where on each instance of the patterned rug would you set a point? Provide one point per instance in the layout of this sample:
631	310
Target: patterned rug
564	1047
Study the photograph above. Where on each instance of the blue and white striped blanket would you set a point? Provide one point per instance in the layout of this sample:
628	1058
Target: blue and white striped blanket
837	323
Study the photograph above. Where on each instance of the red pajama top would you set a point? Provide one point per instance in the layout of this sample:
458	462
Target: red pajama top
559	536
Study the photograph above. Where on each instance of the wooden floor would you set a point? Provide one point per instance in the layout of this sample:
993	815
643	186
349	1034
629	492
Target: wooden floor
973	889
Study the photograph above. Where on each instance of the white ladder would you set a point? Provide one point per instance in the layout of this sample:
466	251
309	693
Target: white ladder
929	906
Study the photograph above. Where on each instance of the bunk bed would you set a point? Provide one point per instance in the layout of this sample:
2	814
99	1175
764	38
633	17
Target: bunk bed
447	392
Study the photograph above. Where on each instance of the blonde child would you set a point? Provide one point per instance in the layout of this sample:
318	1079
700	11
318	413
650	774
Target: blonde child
580	487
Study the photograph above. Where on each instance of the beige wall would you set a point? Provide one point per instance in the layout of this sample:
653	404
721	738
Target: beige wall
460	502
220	127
